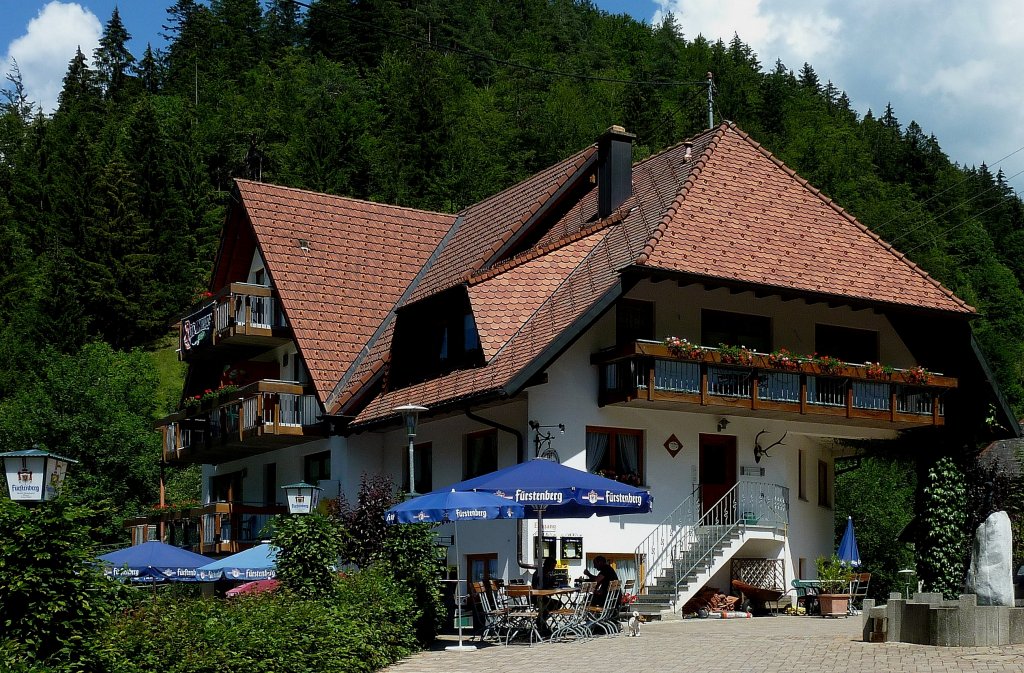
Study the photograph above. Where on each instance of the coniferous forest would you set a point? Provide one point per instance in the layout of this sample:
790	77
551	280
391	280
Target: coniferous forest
110	208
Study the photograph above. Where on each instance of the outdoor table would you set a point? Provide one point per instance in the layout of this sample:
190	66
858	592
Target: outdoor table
538	596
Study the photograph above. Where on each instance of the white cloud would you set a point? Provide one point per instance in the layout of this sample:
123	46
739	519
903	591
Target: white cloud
48	45
952	67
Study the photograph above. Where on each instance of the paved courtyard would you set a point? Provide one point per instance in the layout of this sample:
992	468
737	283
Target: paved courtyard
711	646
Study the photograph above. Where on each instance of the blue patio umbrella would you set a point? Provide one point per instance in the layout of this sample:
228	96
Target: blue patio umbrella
256	563
153	561
848	552
547	488
454	506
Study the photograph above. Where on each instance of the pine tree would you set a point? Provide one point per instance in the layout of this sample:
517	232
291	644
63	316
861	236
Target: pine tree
149	72
112	60
808	79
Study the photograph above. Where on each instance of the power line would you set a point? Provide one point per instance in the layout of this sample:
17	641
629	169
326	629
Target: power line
953	186
511	64
945	232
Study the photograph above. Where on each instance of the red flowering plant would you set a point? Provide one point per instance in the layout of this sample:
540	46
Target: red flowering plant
875	370
828	364
629	478
683	348
736	355
916	376
783	359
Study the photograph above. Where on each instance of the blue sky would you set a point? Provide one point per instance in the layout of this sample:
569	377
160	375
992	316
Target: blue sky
952	67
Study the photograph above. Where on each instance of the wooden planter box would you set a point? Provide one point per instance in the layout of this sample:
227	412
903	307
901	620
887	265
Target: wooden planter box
834	605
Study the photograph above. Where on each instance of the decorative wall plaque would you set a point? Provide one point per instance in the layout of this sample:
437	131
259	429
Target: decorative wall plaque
673	446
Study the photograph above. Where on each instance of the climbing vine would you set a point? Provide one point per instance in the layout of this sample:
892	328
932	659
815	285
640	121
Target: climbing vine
942	541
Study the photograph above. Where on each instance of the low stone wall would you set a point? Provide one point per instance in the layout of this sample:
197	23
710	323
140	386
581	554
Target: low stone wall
927	619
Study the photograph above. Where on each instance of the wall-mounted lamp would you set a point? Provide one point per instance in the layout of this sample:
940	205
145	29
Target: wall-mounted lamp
723	423
758	451
544	439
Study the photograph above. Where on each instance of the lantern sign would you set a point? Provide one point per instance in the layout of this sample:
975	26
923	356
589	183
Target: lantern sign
302	497
34	475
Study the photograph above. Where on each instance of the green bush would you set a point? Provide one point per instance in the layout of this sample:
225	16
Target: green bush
943	544
367	625
308	550
52	596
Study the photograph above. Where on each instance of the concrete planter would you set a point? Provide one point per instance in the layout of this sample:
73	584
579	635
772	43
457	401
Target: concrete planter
834	605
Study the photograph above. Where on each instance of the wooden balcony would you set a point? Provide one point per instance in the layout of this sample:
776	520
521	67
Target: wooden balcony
260	417
245	317
216	528
647	374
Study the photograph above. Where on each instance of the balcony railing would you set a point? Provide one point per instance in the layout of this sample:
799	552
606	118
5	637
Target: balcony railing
240	313
647	371
263	416
216	528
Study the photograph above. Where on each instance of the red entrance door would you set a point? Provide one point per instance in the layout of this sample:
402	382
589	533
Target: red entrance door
716	469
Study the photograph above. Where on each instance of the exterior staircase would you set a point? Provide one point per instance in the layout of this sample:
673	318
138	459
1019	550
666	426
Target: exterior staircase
685	551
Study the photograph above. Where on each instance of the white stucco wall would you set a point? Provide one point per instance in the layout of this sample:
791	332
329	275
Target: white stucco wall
570	397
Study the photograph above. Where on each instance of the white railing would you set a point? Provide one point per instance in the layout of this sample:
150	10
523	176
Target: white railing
298	410
728	382
658	549
676	376
779	387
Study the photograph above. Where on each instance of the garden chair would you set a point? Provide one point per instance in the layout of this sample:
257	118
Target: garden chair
492	616
522	616
606	617
806	596
572	619
861	582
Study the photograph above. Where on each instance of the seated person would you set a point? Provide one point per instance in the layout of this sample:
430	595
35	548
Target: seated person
545	578
605	575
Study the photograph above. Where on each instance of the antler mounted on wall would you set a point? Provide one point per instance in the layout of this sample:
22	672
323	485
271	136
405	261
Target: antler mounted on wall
758	451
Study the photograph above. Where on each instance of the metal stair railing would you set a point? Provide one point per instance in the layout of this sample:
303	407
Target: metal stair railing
746	503
659	549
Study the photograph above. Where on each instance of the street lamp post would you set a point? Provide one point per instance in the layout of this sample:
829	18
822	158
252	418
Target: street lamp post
34	475
302	497
410	415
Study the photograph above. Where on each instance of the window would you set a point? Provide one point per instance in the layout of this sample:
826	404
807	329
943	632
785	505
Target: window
846	343
736	329
617	454
633	320
316	466
824	497
480	567
434	337
481	454
422	456
802	478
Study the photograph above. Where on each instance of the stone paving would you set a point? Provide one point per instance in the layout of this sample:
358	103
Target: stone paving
765	644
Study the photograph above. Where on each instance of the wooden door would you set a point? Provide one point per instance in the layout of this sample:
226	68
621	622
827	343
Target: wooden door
716	468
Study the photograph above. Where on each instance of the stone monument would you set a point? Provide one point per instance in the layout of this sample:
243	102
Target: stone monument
991	573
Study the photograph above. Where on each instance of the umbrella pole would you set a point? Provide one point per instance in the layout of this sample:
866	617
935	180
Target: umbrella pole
458	606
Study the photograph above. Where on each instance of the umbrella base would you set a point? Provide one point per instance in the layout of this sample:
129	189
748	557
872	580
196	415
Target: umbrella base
460	648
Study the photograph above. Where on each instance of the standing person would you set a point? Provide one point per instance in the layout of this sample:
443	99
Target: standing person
605	575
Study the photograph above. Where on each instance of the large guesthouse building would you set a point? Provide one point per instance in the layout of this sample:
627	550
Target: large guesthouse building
703	323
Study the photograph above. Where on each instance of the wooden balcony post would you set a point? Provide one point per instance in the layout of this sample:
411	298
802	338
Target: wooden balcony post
849	398
650	380
754	389
935	407
241	419
704	384
892	402
803	393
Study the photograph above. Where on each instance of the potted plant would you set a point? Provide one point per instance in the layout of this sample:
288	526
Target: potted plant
783	359
683	348
833	587
878	371
828	365
916	376
735	355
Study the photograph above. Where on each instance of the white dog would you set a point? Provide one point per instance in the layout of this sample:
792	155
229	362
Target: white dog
633	626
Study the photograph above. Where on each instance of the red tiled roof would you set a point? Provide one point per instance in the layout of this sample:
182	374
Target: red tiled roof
729	212
742	215
362	256
486	226
502	304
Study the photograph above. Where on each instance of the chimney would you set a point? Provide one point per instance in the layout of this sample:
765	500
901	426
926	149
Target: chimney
614	169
